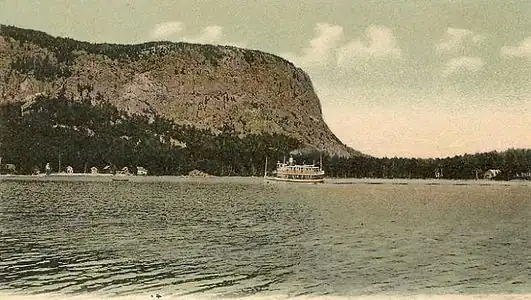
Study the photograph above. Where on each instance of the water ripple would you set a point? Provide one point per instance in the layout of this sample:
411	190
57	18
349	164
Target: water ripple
242	240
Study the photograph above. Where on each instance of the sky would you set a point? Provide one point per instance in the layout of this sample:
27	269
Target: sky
395	78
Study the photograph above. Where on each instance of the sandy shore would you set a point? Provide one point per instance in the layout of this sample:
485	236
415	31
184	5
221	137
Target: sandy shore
235	179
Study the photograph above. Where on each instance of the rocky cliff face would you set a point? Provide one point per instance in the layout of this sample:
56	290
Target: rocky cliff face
202	85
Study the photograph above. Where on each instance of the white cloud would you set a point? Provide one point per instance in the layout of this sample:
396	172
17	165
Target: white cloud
166	29
378	42
321	48
523	49
456	40
212	34
322	45
326	48
463	64
209	34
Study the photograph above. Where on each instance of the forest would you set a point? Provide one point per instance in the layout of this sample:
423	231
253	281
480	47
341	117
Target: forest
85	134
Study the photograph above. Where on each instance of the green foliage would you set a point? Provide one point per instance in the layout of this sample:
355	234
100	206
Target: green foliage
41	68
67	49
212	54
249	57
514	163
85	135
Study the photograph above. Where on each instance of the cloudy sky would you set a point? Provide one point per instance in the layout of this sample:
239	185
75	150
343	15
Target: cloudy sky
396	78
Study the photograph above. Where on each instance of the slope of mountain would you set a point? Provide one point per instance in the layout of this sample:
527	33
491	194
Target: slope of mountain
209	87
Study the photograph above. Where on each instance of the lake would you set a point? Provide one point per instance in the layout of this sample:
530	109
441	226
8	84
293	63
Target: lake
196	240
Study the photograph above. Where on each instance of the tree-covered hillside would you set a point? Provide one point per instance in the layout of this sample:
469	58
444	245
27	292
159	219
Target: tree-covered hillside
84	135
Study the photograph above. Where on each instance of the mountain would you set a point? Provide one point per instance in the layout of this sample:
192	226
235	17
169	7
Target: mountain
205	86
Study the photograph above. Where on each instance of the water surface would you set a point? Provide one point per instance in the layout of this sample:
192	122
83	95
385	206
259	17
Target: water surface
200	239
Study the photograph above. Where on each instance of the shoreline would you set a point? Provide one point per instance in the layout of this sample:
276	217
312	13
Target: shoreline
428	181
241	179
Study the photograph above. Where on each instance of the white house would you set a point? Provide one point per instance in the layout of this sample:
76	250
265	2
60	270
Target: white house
69	170
8	168
141	171
490	174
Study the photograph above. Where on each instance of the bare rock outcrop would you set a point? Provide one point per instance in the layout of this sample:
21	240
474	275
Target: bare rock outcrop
202	85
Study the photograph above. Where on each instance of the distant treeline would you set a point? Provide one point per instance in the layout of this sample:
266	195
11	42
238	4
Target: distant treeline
513	163
85	134
65	51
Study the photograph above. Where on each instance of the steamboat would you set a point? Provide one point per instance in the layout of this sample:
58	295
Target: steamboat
291	172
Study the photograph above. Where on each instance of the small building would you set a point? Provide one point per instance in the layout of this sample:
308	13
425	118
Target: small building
438	173
141	171
108	169
124	170
8	169
69	170
523	176
491	174
93	170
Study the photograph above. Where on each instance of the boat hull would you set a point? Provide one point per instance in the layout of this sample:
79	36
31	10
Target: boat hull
277	179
